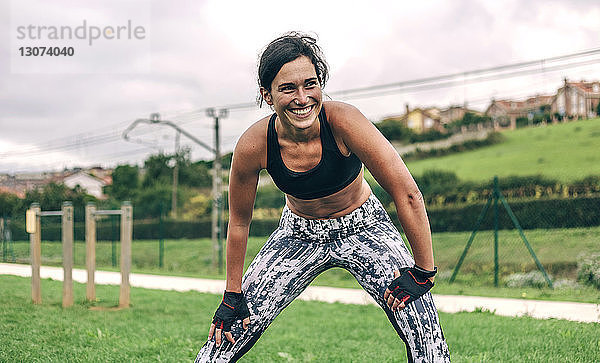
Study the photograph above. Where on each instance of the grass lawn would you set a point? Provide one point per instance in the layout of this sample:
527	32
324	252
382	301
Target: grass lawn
168	326
557	249
563	151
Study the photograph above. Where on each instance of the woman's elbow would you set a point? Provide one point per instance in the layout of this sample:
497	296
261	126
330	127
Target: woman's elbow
411	198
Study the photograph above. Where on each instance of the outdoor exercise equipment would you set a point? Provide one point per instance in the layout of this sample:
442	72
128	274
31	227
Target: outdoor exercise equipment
91	216
34	228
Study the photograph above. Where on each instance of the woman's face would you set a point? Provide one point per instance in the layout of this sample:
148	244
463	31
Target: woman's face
295	93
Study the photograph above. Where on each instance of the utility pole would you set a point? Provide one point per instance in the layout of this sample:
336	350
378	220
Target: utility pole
217	209
217	194
175	177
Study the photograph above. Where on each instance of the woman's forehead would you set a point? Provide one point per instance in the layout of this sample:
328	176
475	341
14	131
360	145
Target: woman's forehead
298	70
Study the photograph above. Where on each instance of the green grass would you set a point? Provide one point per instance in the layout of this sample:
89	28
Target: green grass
168	326
566	151
557	249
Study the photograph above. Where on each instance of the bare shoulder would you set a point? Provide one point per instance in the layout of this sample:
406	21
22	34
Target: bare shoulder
252	145
342	115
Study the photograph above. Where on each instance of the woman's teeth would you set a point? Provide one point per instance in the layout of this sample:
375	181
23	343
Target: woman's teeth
302	111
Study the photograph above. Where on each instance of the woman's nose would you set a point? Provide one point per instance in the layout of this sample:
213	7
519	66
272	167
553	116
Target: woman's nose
301	97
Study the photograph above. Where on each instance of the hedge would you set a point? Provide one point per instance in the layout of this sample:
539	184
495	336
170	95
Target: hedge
531	214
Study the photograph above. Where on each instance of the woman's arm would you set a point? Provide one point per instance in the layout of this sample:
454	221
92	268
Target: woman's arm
243	179
384	163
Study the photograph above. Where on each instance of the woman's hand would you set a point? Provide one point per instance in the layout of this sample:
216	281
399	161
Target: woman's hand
409	284
232	308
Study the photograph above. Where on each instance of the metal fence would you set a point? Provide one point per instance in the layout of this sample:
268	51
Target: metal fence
558	231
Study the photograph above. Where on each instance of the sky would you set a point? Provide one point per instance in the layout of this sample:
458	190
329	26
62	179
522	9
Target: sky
60	112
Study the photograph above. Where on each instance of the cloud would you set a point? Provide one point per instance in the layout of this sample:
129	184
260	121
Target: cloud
205	53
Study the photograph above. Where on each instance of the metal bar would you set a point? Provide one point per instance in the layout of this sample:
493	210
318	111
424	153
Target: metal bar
113	244
161	242
108	212
496	194
516	222
462	257
50	213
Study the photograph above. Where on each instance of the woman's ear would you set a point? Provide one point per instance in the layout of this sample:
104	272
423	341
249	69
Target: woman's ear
266	95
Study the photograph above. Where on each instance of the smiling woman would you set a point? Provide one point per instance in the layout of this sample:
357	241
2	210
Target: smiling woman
314	152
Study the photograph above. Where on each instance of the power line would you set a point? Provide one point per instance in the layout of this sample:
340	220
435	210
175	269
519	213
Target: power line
416	85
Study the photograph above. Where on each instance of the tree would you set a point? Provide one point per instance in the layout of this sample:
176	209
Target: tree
157	170
125	183
52	196
437	181
394	130
598	110
9	205
150	201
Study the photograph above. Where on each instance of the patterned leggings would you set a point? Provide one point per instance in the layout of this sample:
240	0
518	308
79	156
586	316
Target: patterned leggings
365	243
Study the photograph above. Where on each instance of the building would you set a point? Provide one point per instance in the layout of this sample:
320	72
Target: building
420	120
20	184
577	99
505	113
91	184
92	181
454	113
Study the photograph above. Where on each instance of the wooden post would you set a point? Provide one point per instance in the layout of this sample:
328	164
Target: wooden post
35	242
67	242
90	250
126	236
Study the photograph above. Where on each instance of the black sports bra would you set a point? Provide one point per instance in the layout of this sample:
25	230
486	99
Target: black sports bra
333	173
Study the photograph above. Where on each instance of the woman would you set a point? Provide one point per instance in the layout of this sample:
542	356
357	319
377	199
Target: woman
314	152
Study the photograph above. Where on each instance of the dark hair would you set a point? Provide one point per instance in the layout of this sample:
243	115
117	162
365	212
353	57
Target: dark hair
285	49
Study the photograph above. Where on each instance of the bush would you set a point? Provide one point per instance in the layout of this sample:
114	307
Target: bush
528	279
588	270
394	130
531	214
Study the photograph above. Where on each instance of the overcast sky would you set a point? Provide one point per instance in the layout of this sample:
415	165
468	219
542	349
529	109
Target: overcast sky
58	112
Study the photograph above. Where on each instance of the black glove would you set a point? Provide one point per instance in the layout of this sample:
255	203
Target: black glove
412	283
232	308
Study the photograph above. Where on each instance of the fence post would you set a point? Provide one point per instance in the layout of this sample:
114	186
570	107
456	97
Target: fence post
126	236
67	242
464	253
496	196
4	247
113	243
161	241
90	250
35	243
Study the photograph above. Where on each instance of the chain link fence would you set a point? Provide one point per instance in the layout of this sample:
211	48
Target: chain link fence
561	228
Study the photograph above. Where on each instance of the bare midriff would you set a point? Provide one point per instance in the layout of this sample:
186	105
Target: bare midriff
335	205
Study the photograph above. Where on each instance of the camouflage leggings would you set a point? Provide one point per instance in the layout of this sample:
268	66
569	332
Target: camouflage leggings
364	242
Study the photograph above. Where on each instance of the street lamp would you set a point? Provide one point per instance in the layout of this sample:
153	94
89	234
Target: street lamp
217	189
217	210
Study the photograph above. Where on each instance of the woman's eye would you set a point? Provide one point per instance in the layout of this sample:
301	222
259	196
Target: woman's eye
311	84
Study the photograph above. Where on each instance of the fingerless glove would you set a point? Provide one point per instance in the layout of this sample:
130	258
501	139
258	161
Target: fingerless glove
232	308
412	283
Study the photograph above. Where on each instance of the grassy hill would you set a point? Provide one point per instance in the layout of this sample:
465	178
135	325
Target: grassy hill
566	152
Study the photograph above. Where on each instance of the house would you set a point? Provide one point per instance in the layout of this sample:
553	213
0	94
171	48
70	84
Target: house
454	113
505	113
577	99
20	184
91	184
420	119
